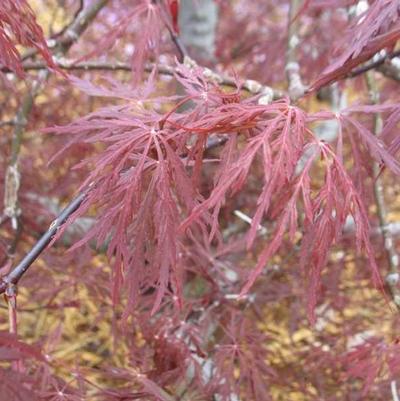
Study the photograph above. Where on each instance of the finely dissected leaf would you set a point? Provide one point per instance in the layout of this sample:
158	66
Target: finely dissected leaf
380	17
375	147
12	386
18	26
219	206
375	29
153	389
24	350
242	349
147	181
149	16
370	360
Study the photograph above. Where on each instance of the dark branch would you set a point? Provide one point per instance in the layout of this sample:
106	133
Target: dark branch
72	22
390	71
372	65
16	274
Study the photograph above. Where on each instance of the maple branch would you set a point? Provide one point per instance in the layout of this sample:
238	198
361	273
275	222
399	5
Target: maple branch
393	277
380	64
251	86
295	87
16	274
72	33
389	70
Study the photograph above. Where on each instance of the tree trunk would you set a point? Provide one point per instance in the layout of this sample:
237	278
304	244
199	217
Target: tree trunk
198	22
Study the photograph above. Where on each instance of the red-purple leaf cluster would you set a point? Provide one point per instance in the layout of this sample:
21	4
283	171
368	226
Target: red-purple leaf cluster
372	359
147	182
18	26
371	31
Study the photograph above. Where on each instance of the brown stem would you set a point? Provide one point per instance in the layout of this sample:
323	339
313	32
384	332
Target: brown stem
12	179
11	296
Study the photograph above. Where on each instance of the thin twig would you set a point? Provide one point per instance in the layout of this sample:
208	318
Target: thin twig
11	296
79	25
389	70
247	219
216	141
381	62
74	18
15	275
180	47
249	85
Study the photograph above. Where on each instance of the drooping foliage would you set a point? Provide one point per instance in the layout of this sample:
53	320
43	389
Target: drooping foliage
219	223
18	26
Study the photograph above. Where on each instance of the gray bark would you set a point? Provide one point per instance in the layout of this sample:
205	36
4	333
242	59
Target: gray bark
198	22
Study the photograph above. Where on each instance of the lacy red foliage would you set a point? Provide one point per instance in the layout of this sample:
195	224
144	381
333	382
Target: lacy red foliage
375	29
372	359
18	26
146	186
229	222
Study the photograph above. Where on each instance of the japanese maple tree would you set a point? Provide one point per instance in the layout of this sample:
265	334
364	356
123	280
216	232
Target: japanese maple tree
221	221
